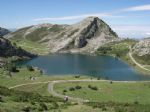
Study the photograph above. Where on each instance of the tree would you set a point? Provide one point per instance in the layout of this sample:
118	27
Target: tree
43	106
1	99
72	89
64	90
14	44
30	68
78	87
41	72
118	55
77	76
98	78
93	87
11	67
26	109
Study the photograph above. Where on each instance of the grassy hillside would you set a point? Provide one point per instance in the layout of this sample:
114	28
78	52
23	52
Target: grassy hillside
145	60
108	91
109	96
119	49
18	101
30	46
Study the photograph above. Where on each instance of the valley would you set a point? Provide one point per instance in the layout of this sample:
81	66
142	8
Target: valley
86	61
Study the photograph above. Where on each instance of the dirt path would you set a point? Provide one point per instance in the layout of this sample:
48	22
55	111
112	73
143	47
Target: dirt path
20	85
138	64
54	93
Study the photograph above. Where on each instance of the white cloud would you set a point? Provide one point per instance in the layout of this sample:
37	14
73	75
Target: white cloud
148	33
77	17
106	15
132	31
139	8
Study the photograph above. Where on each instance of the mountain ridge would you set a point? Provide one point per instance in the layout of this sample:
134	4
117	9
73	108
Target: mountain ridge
83	37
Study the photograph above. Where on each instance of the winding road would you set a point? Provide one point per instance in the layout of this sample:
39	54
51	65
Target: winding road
54	93
79	100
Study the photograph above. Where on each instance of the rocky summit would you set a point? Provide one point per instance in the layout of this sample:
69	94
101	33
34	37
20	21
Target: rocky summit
84	37
142	47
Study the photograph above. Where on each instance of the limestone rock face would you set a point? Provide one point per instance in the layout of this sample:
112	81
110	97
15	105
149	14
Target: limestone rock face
83	37
142	47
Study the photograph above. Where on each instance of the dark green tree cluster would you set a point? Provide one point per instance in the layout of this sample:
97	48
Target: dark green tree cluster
30	68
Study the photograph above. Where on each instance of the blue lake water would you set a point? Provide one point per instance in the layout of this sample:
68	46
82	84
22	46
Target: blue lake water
73	64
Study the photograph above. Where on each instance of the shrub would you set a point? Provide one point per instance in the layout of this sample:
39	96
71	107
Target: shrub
72	89
136	102
92	87
77	76
64	91
89	86
41	72
104	109
98	78
32	103
11	67
78	87
104	49
111	82
26	109
55	106
43	106
1	99
30	68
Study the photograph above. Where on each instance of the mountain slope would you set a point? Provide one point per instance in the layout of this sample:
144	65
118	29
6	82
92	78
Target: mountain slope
84	37
142	51
8	50
3	31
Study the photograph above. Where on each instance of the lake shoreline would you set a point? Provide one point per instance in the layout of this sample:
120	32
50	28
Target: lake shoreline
63	58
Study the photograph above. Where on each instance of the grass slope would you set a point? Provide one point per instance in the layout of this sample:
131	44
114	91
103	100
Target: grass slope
117	91
17	101
121	50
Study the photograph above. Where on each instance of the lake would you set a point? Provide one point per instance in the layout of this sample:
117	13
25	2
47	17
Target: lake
74	64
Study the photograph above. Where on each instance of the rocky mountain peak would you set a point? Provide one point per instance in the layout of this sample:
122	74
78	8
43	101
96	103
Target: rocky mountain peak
85	36
93	27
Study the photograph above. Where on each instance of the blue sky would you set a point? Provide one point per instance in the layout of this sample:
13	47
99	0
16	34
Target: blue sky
129	18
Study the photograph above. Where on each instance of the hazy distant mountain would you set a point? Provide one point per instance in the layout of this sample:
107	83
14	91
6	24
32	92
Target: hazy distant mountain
85	36
3	31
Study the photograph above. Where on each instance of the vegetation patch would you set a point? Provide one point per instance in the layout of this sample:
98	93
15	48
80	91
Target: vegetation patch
38	34
106	91
120	107
19	101
117	49
145	59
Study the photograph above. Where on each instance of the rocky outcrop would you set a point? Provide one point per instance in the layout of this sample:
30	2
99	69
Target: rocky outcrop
84	37
142	47
9	50
3	31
